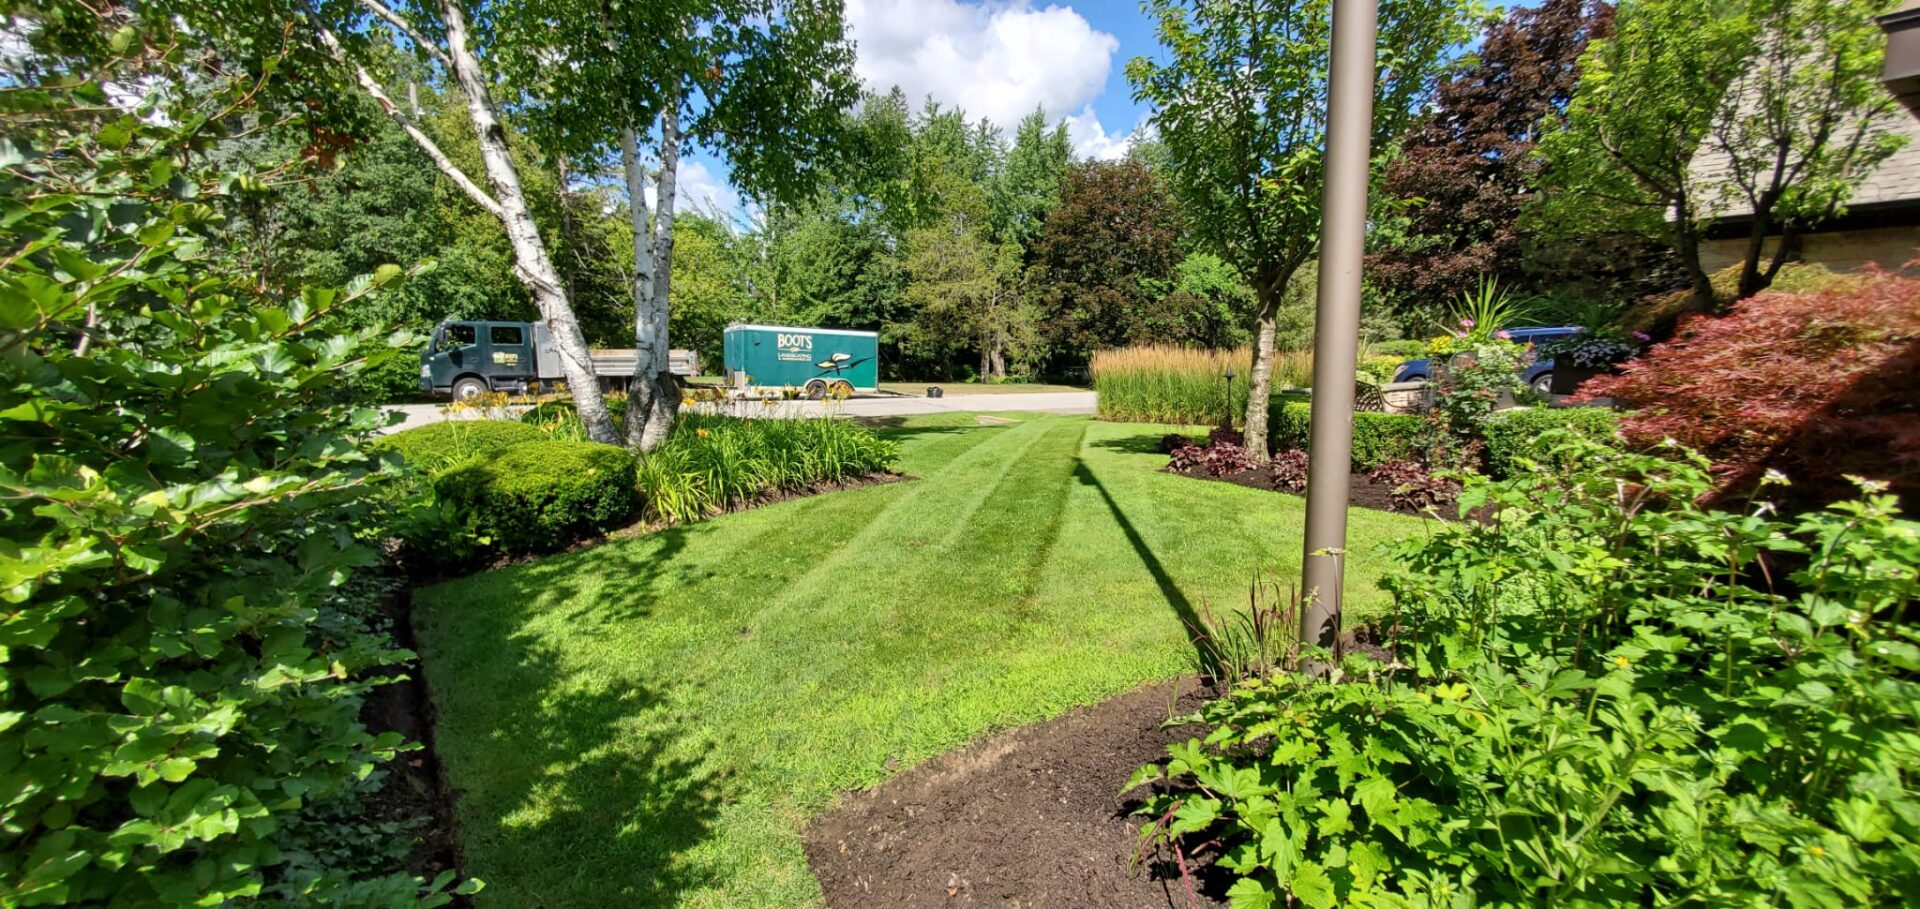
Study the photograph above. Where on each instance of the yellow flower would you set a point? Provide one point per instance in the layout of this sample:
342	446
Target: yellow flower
701	432
1621	662
1817	851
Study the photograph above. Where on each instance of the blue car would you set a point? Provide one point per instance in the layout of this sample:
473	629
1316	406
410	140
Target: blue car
1538	375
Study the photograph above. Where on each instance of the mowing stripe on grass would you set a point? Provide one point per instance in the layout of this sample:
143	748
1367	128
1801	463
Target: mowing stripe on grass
652	722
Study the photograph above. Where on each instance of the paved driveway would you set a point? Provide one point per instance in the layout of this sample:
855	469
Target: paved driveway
878	406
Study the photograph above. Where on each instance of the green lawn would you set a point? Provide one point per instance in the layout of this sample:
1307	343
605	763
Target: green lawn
653	721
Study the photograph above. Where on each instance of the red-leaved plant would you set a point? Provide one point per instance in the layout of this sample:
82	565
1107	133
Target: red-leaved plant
1816	385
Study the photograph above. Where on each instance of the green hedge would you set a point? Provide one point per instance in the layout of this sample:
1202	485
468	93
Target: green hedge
1405	350
437	445
1377	437
540	496
1515	434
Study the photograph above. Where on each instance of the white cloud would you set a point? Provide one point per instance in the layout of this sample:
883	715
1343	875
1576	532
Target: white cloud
998	60
700	191
1091	140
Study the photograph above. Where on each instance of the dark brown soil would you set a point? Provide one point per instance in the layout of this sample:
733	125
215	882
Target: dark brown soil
414	791
1032	817
1376	496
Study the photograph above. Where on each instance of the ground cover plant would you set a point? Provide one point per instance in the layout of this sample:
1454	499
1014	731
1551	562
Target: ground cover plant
1816	384
1166	384
1603	696
185	651
652	721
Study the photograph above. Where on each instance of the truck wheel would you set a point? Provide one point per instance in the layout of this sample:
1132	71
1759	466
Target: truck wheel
468	390
814	390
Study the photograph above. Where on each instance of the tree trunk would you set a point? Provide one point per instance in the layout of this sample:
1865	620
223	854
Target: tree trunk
1752	279
654	401
1260	378
646	427
532	264
1686	244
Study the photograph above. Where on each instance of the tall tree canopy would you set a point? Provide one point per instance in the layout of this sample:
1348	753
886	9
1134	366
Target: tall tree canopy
1111	243
1768	109
1463	171
1241	103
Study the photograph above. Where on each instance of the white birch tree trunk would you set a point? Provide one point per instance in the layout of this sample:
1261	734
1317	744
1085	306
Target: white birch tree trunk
655	394
652	401
532	263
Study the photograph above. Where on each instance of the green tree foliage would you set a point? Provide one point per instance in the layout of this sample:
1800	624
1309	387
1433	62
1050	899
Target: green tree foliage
1765	108
709	287
1240	100
1107	257
1028	184
182	494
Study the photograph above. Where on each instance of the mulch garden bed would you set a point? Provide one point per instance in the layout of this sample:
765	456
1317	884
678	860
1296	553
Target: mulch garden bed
1031	817
1376	496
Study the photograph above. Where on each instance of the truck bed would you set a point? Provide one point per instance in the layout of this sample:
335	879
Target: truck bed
617	362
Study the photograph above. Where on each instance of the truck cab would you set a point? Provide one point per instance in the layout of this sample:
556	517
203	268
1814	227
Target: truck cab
469	359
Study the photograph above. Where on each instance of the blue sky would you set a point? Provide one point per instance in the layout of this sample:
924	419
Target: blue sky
998	59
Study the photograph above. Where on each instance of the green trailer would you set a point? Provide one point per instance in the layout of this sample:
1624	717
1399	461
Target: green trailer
820	362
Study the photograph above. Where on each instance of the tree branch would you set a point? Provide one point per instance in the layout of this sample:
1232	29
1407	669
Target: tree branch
406	28
440	160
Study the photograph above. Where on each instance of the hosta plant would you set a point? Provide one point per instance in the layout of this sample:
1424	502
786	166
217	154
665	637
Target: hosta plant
1605	695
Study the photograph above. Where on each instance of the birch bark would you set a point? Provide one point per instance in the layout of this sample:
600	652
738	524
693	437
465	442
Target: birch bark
533	265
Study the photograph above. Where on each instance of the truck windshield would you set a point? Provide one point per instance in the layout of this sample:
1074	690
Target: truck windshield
457	336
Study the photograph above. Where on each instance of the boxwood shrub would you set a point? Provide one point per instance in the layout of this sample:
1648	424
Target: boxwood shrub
1515	434
540	496
1377	437
437	445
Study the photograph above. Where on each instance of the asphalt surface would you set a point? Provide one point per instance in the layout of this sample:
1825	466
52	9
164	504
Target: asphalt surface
876	406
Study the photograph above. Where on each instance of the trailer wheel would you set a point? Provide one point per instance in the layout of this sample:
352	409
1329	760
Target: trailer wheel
468	389
814	390
841	390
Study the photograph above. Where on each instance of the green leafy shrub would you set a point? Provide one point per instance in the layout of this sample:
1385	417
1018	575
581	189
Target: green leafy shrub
540	496
1599	699
437	445
1166	384
1408	349
713	463
1521	434
183	501
1377	437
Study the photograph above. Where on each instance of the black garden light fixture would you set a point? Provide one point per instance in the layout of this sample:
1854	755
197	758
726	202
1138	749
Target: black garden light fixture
1229	378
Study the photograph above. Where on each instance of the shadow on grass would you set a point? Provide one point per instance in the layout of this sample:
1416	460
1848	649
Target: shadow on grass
581	769
1145	442
1176	599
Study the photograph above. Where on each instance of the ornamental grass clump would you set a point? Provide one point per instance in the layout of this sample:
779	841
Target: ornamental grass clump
1606	695
1164	384
711	464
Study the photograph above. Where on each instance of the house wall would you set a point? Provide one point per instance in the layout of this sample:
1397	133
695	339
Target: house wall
1840	250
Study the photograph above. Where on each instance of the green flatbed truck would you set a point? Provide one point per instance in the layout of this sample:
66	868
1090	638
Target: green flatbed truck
466	359
820	362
